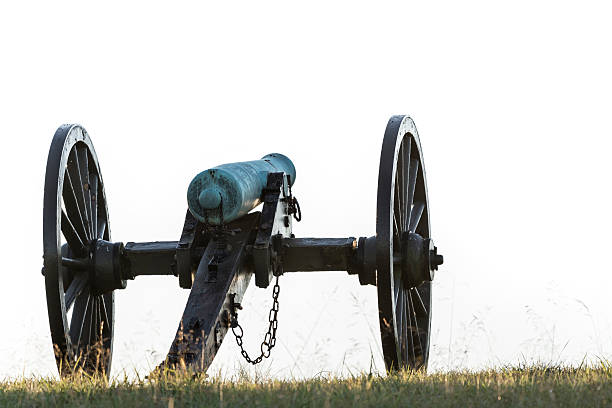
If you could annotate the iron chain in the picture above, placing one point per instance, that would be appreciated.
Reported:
(269, 339)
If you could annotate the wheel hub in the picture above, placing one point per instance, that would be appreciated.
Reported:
(419, 259)
(104, 264)
(108, 266)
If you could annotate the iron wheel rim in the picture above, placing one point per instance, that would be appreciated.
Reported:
(404, 313)
(75, 204)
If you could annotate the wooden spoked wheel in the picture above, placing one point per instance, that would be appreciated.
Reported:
(402, 208)
(74, 217)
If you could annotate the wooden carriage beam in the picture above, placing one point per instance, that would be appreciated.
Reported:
(298, 255)
(318, 254)
(207, 315)
(150, 258)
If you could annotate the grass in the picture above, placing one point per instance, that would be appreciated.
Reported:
(516, 387)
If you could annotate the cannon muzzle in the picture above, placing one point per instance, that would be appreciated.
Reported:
(224, 193)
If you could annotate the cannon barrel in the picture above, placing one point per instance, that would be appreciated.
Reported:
(224, 193)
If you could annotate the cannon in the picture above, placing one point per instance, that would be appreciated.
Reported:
(224, 242)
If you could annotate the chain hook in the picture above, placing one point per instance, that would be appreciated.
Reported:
(294, 206)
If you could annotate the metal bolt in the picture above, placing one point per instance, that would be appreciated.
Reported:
(436, 259)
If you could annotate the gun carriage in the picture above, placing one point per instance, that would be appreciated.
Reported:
(224, 243)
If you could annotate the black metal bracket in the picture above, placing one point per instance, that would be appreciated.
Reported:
(275, 221)
(363, 263)
(187, 255)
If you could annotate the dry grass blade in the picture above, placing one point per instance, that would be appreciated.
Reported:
(526, 386)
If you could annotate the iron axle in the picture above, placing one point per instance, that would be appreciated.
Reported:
(112, 264)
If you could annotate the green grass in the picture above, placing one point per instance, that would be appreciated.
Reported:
(527, 387)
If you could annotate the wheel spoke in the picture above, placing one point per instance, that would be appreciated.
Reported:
(396, 229)
(412, 180)
(101, 206)
(72, 236)
(407, 342)
(79, 282)
(101, 228)
(400, 187)
(93, 331)
(85, 339)
(400, 312)
(397, 205)
(90, 323)
(81, 307)
(415, 215)
(73, 210)
(73, 168)
(93, 179)
(84, 170)
(100, 320)
(420, 305)
(104, 312)
(406, 198)
(409, 335)
(95, 327)
(397, 285)
(417, 331)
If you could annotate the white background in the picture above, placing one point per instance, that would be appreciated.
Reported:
(512, 101)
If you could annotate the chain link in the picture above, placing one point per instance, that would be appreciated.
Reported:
(269, 339)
